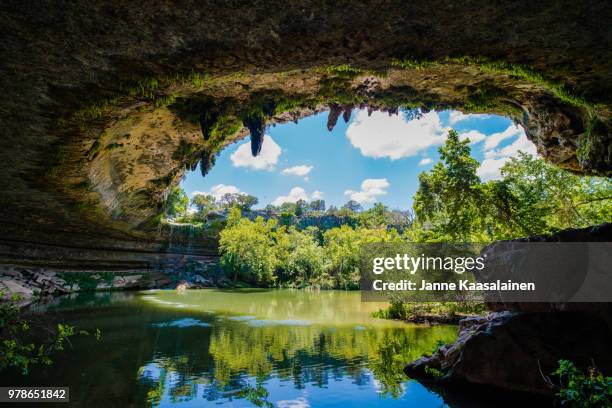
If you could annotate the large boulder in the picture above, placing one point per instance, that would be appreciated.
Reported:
(516, 351)
(520, 343)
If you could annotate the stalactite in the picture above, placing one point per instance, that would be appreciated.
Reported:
(393, 111)
(207, 162)
(346, 115)
(256, 123)
(334, 114)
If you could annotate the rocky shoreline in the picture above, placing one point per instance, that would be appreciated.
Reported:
(31, 284)
(491, 350)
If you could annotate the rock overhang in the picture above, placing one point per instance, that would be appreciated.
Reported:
(104, 121)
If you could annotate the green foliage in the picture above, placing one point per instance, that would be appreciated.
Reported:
(433, 372)
(176, 203)
(449, 195)
(149, 89)
(242, 201)
(257, 396)
(185, 150)
(421, 311)
(538, 198)
(517, 71)
(533, 197)
(302, 259)
(344, 70)
(577, 389)
(485, 97)
(197, 79)
(352, 206)
(164, 100)
(317, 205)
(411, 63)
(204, 203)
(269, 253)
(247, 249)
(525, 73)
(438, 346)
(16, 351)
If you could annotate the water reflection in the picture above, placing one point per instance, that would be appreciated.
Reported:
(243, 354)
(274, 348)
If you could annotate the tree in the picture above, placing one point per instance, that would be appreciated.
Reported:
(352, 206)
(375, 217)
(533, 197)
(243, 201)
(317, 205)
(270, 208)
(287, 207)
(332, 210)
(543, 198)
(449, 195)
(247, 201)
(300, 207)
(204, 203)
(305, 261)
(248, 250)
(176, 203)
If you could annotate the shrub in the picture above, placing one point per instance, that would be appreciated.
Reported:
(582, 390)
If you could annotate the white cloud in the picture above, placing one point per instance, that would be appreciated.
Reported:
(496, 138)
(370, 189)
(317, 195)
(489, 168)
(425, 161)
(456, 116)
(296, 193)
(521, 143)
(301, 171)
(382, 136)
(219, 190)
(266, 160)
(496, 158)
(474, 136)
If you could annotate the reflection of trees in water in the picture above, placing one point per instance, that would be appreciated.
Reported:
(303, 355)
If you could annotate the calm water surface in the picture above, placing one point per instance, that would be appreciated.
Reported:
(282, 348)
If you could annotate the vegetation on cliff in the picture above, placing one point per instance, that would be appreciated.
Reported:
(306, 244)
(581, 389)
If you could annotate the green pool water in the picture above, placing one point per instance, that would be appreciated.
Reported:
(239, 348)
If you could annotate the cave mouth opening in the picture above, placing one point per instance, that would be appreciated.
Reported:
(344, 163)
(339, 158)
(139, 160)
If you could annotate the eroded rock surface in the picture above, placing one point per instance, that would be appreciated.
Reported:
(515, 347)
(105, 105)
(515, 351)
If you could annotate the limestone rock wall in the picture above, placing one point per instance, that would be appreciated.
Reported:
(103, 103)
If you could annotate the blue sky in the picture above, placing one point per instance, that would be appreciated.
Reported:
(370, 159)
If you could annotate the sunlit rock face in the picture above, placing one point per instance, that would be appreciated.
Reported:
(104, 108)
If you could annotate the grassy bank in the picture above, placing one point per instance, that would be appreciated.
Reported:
(431, 312)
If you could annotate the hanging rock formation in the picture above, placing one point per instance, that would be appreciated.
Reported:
(256, 124)
(94, 134)
(64, 107)
(334, 114)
